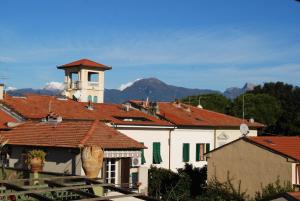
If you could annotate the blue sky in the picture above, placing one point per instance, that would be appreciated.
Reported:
(199, 44)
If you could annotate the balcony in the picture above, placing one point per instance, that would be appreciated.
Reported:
(93, 85)
(73, 85)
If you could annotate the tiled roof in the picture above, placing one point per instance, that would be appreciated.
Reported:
(69, 134)
(185, 115)
(38, 106)
(85, 62)
(4, 118)
(295, 195)
(288, 146)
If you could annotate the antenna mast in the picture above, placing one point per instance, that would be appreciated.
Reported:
(243, 107)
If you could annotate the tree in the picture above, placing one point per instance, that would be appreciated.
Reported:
(185, 185)
(214, 102)
(273, 189)
(289, 98)
(198, 177)
(262, 107)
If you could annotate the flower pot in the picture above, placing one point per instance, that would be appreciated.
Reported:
(92, 159)
(36, 164)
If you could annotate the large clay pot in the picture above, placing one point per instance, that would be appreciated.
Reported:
(92, 159)
(36, 164)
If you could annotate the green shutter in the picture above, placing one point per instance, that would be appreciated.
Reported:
(143, 160)
(186, 152)
(207, 149)
(156, 153)
(197, 152)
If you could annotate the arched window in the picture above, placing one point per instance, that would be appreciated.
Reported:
(90, 98)
(95, 99)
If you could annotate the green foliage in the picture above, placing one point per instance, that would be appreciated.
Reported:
(167, 185)
(273, 189)
(223, 191)
(36, 153)
(198, 177)
(289, 98)
(262, 107)
(185, 185)
(214, 102)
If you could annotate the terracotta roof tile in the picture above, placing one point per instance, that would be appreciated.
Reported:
(69, 134)
(4, 118)
(289, 146)
(295, 195)
(186, 115)
(85, 62)
(38, 106)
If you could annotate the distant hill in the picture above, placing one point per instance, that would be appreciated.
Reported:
(234, 92)
(153, 88)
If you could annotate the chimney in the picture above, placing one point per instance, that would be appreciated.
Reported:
(1, 91)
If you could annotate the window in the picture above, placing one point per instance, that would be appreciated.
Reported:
(110, 170)
(95, 99)
(186, 152)
(134, 179)
(156, 153)
(90, 98)
(93, 77)
(202, 149)
(143, 160)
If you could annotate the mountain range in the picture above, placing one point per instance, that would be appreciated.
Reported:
(152, 88)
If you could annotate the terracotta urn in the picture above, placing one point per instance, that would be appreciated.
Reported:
(92, 159)
(36, 164)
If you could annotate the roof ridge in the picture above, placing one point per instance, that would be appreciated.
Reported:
(89, 133)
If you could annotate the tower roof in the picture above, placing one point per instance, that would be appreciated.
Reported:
(85, 62)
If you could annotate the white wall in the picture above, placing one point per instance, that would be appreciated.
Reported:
(228, 135)
(178, 137)
(148, 136)
(193, 137)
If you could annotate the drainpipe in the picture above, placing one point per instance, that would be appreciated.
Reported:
(169, 141)
(215, 138)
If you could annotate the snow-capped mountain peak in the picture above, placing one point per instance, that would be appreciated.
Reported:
(53, 86)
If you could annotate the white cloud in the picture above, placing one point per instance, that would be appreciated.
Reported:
(54, 86)
(128, 84)
(220, 45)
(10, 88)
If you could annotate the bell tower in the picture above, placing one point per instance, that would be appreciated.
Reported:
(84, 80)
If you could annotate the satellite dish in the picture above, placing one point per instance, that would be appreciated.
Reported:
(244, 129)
(77, 94)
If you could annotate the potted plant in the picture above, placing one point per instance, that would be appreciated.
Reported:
(36, 158)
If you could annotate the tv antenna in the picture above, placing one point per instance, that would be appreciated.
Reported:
(243, 107)
(243, 127)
